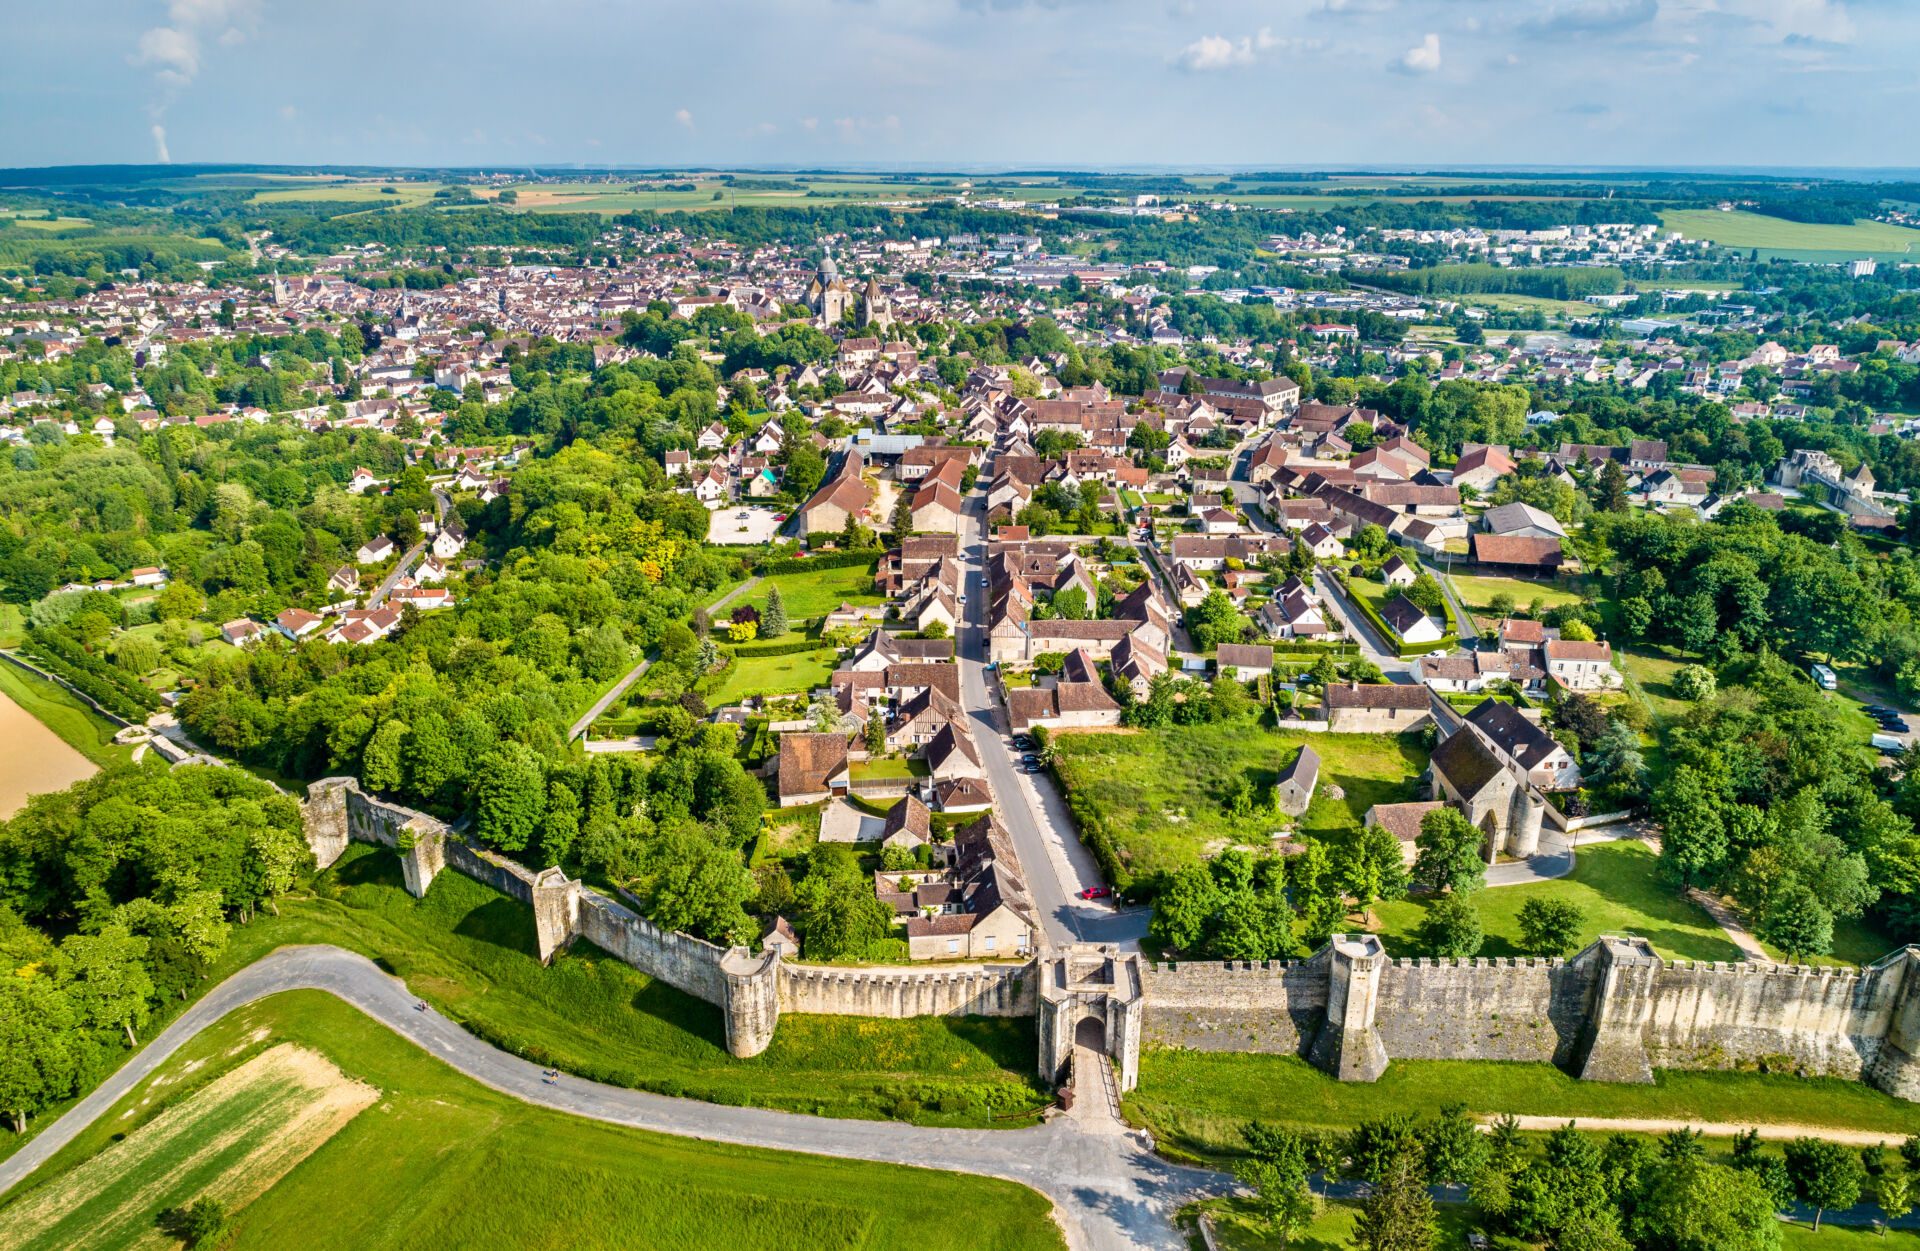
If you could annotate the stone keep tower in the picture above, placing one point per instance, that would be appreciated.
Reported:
(1347, 1046)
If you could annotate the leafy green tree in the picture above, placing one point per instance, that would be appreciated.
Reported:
(1610, 492)
(1694, 683)
(1281, 1198)
(1550, 927)
(1454, 1148)
(1452, 927)
(839, 914)
(1824, 1174)
(1184, 908)
(382, 765)
(1452, 853)
(196, 1224)
(1692, 1205)
(1370, 869)
(1798, 923)
(509, 796)
(38, 1058)
(692, 883)
(603, 656)
(106, 979)
(1894, 1194)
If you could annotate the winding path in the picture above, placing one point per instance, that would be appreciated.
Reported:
(1108, 1189)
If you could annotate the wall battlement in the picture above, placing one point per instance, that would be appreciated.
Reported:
(751, 989)
(1615, 1011)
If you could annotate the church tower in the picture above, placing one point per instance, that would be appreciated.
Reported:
(875, 309)
(828, 295)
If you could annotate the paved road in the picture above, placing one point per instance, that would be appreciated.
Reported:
(400, 571)
(734, 594)
(1361, 630)
(606, 701)
(1109, 1190)
(1056, 864)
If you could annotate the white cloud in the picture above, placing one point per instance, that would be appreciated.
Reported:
(1423, 58)
(810, 123)
(684, 117)
(160, 152)
(1214, 52)
(175, 54)
(1218, 52)
(288, 112)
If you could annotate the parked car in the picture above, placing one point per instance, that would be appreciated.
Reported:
(1097, 892)
(1023, 742)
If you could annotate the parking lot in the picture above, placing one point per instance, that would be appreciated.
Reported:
(745, 526)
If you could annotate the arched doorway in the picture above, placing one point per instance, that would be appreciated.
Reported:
(1091, 1033)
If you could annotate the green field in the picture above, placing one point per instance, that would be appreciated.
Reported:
(440, 1160)
(1755, 230)
(1165, 793)
(83, 729)
(1199, 1102)
(791, 674)
(816, 592)
(470, 952)
(1478, 592)
(1613, 884)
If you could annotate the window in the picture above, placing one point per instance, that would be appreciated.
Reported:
(990, 942)
(953, 946)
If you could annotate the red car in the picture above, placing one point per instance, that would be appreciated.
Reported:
(1096, 892)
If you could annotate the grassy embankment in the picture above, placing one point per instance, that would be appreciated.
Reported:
(470, 952)
(57, 708)
(438, 1159)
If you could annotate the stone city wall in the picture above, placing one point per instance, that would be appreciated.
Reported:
(751, 989)
(1613, 1012)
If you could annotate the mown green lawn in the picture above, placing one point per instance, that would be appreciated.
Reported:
(1477, 592)
(440, 1160)
(1166, 794)
(1200, 1102)
(1614, 886)
(816, 592)
(791, 674)
(79, 726)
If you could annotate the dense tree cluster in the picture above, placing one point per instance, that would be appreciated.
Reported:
(139, 872)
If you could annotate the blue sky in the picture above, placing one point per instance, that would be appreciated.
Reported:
(993, 83)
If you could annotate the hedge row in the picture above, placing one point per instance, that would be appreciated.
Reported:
(1403, 649)
(779, 647)
(111, 687)
(101, 692)
(825, 560)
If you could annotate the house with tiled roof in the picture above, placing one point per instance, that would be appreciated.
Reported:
(812, 767)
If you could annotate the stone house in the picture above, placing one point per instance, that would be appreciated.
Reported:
(1580, 666)
(1377, 708)
(987, 913)
(1297, 781)
(812, 767)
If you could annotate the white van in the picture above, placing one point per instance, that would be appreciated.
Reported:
(1825, 678)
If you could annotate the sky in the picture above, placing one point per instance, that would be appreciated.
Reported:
(977, 84)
